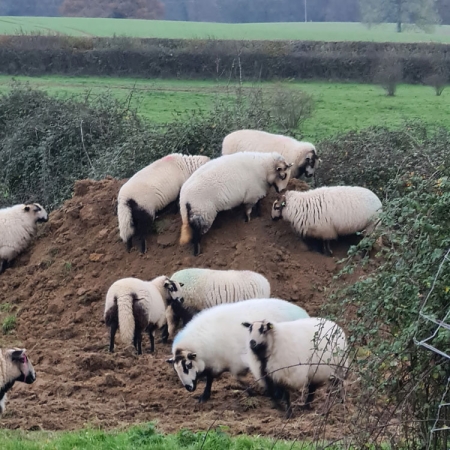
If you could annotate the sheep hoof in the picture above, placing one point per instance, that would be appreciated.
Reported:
(203, 399)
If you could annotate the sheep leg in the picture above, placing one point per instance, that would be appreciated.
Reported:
(310, 396)
(3, 265)
(114, 326)
(207, 392)
(138, 342)
(248, 211)
(129, 244)
(196, 240)
(152, 340)
(287, 399)
(143, 244)
(257, 208)
(326, 248)
(165, 333)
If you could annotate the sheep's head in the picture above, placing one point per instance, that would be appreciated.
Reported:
(259, 334)
(18, 366)
(37, 211)
(281, 174)
(188, 368)
(310, 164)
(277, 208)
(174, 291)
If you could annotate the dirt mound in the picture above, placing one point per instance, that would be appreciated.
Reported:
(58, 289)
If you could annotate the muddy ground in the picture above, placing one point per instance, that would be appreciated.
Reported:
(57, 289)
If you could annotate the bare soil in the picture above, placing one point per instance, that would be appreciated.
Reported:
(57, 290)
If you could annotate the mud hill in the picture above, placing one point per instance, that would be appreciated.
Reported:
(57, 290)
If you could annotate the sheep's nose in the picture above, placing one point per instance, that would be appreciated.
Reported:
(252, 343)
(189, 387)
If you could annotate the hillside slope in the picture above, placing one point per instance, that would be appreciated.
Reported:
(57, 290)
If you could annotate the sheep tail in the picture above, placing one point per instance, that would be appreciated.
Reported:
(186, 229)
(126, 318)
(126, 226)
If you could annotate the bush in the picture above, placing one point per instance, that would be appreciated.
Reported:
(47, 143)
(402, 382)
(389, 74)
(291, 108)
(438, 81)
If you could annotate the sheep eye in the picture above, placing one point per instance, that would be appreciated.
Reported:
(189, 366)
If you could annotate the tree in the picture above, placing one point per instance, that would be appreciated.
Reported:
(419, 12)
(136, 9)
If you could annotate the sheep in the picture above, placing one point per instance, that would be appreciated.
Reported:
(133, 305)
(14, 366)
(328, 212)
(224, 183)
(18, 225)
(292, 355)
(150, 190)
(204, 288)
(303, 155)
(214, 341)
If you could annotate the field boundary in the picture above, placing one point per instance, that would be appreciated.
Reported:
(217, 59)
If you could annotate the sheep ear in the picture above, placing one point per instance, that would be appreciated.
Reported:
(16, 355)
(170, 361)
(192, 356)
(246, 324)
(26, 208)
(290, 165)
(269, 326)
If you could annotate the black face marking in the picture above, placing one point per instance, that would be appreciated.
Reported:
(37, 208)
(186, 366)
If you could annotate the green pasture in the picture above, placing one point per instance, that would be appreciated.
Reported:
(327, 31)
(142, 437)
(339, 107)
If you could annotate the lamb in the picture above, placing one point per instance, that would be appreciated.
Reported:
(204, 288)
(150, 190)
(214, 341)
(297, 354)
(303, 155)
(18, 224)
(328, 212)
(134, 306)
(224, 183)
(14, 366)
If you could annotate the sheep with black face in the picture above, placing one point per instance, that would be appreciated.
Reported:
(14, 366)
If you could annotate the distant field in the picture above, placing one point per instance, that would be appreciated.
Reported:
(340, 107)
(191, 30)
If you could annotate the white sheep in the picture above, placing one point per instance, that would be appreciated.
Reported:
(303, 353)
(17, 227)
(14, 366)
(134, 306)
(150, 190)
(204, 288)
(214, 341)
(224, 183)
(328, 212)
(302, 154)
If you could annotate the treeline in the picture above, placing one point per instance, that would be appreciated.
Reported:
(232, 11)
(216, 59)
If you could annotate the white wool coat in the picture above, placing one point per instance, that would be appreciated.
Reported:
(204, 288)
(229, 181)
(299, 352)
(155, 186)
(328, 212)
(218, 338)
(17, 227)
(294, 151)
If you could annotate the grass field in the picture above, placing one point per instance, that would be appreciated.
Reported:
(340, 107)
(169, 29)
(139, 438)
